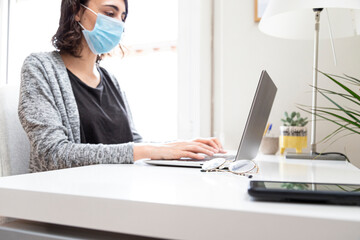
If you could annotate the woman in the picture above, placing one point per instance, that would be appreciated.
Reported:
(73, 110)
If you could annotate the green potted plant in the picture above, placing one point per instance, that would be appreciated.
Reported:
(293, 133)
(345, 115)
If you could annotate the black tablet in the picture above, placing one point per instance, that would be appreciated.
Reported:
(348, 194)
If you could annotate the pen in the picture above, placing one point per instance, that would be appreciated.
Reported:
(268, 132)
(266, 129)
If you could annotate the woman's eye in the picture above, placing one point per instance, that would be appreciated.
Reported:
(110, 14)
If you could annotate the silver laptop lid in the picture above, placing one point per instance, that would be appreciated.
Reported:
(257, 118)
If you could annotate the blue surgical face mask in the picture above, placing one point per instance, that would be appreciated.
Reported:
(106, 34)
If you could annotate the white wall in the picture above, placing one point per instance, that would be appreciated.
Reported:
(242, 51)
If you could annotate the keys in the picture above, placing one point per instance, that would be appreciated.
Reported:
(207, 158)
(226, 156)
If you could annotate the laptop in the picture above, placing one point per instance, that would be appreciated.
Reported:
(253, 131)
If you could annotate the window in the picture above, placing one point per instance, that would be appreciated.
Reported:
(3, 41)
(148, 72)
(32, 24)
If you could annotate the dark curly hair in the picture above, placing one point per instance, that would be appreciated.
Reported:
(69, 34)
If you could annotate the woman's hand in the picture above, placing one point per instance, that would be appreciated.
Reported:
(213, 142)
(176, 150)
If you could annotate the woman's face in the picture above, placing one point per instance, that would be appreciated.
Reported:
(111, 8)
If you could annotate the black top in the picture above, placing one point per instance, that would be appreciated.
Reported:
(103, 116)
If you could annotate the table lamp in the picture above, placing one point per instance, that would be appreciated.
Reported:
(295, 19)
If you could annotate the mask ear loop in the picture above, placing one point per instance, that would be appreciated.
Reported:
(89, 10)
(81, 25)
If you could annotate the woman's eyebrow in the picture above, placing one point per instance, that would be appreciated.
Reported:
(113, 6)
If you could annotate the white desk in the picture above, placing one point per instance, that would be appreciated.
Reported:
(181, 203)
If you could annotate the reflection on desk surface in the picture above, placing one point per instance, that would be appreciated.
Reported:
(283, 169)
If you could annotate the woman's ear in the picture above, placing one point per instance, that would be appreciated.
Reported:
(79, 14)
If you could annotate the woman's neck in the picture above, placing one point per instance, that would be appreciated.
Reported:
(83, 67)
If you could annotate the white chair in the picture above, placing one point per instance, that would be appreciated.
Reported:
(14, 144)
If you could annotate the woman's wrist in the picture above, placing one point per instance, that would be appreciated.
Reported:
(142, 151)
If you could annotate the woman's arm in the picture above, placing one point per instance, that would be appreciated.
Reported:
(52, 143)
(176, 150)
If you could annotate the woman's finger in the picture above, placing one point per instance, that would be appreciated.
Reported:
(198, 149)
(218, 143)
(184, 145)
(208, 142)
(192, 155)
(214, 142)
(210, 148)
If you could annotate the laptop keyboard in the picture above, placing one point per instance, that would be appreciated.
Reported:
(207, 158)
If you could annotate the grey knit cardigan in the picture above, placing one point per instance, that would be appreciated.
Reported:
(49, 115)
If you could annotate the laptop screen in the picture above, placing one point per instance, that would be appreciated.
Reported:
(257, 118)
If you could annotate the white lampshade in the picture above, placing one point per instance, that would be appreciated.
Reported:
(294, 19)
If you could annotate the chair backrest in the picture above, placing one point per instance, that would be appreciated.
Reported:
(14, 144)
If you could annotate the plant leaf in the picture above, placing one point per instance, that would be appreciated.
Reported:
(339, 117)
(355, 79)
(344, 87)
(346, 96)
(346, 112)
(337, 131)
(339, 110)
(346, 78)
(333, 121)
